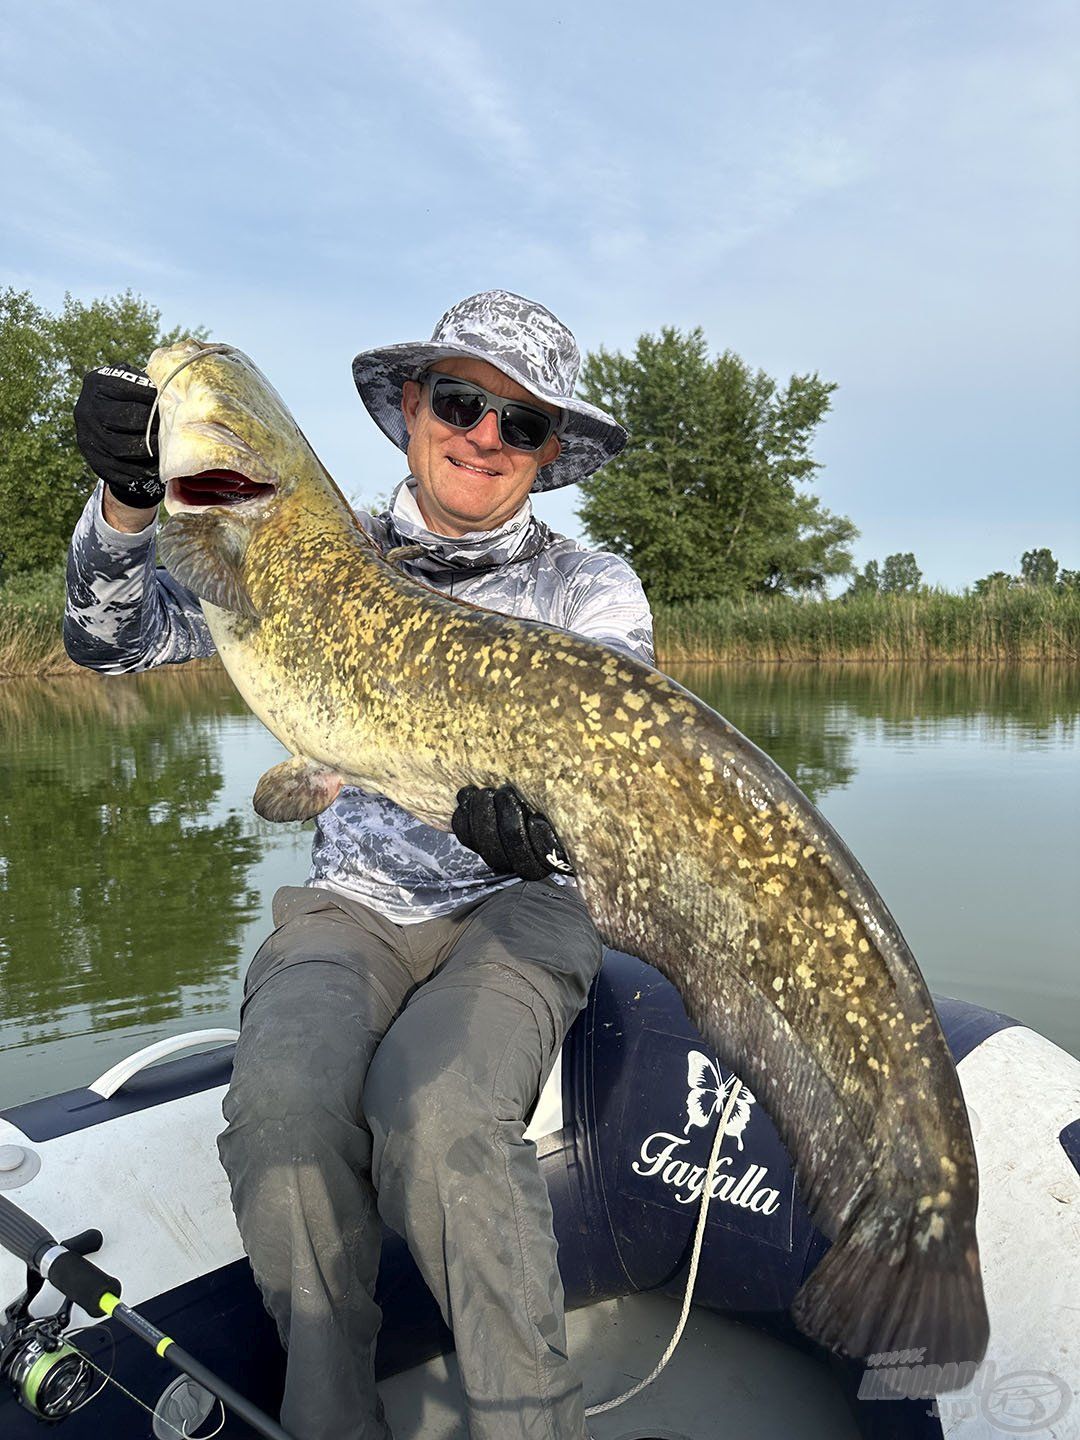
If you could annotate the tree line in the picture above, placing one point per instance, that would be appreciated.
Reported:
(900, 575)
(1038, 571)
(43, 357)
(712, 496)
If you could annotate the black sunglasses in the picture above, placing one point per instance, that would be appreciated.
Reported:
(463, 405)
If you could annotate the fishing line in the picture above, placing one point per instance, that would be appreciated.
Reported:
(65, 1266)
(699, 1239)
(205, 350)
(69, 1335)
(110, 1379)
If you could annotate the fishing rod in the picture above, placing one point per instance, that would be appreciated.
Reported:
(50, 1376)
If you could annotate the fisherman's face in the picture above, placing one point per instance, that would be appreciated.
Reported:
(468, 479)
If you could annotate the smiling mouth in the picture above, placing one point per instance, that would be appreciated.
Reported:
(217, 487)
(473, 469)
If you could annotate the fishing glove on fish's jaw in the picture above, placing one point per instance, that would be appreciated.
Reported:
(507, 835)
(111, 416)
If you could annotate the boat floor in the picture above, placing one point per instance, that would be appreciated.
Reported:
(723, 1378)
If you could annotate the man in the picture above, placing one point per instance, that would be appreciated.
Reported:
(398, 1024)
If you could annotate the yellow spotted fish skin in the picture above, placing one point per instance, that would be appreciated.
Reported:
(691, 847)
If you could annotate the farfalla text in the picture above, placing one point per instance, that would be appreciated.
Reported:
(657, 1157)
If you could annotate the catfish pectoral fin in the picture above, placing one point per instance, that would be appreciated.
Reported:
(205, 552)
(296, 789)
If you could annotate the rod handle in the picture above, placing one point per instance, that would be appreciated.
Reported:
(85, 1243)
(81, 1280)
(22, 1234)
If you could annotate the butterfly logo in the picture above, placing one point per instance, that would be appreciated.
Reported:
(709, 1095)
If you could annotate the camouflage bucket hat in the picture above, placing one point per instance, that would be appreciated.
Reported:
(523, 340)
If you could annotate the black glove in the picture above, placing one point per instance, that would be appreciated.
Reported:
(505, 833)
(111, 415)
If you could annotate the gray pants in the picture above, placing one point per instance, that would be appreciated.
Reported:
(331, 1125)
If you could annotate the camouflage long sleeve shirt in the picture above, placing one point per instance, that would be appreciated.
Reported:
(125, 613)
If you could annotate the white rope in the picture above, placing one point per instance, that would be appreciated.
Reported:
(699, 1239)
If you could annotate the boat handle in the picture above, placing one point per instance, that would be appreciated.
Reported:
(108, 1084)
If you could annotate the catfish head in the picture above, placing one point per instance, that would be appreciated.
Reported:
(224, 440)
(234, 462)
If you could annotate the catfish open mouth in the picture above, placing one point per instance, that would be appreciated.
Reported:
(217, 487)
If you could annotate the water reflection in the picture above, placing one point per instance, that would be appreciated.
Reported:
(795, 727)
(135, 879)
(119, 885)
(794, 699)
(958, 789)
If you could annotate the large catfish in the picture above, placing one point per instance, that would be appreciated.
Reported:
(691, 847)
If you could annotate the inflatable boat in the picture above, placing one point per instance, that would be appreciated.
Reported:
(623, 1129)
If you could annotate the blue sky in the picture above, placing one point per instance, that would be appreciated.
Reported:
(884, 193)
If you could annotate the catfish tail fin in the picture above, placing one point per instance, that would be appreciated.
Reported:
(928, 1299)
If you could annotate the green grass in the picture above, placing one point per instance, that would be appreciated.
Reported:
(1013, 625)
(31, 611)
(934, 625)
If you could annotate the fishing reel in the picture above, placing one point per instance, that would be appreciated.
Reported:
(49, 1376)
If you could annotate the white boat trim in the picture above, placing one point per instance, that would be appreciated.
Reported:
(113, 1079)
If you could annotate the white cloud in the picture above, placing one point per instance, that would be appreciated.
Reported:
(886, 194)
(456, 73)
(57, 235)
(36, 147)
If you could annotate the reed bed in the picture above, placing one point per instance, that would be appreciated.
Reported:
(935, 625)
(31, 609)
(30, 642)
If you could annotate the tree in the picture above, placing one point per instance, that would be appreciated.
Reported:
(897, 575)
(704, 500)
(43, 357)
(1038, 568)
(867, 581)
(996, 580)
(900, 575)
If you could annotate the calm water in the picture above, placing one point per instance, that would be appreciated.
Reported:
(135, 880)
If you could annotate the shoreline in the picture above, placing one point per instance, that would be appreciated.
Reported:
(934, 627)
(57, 666)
